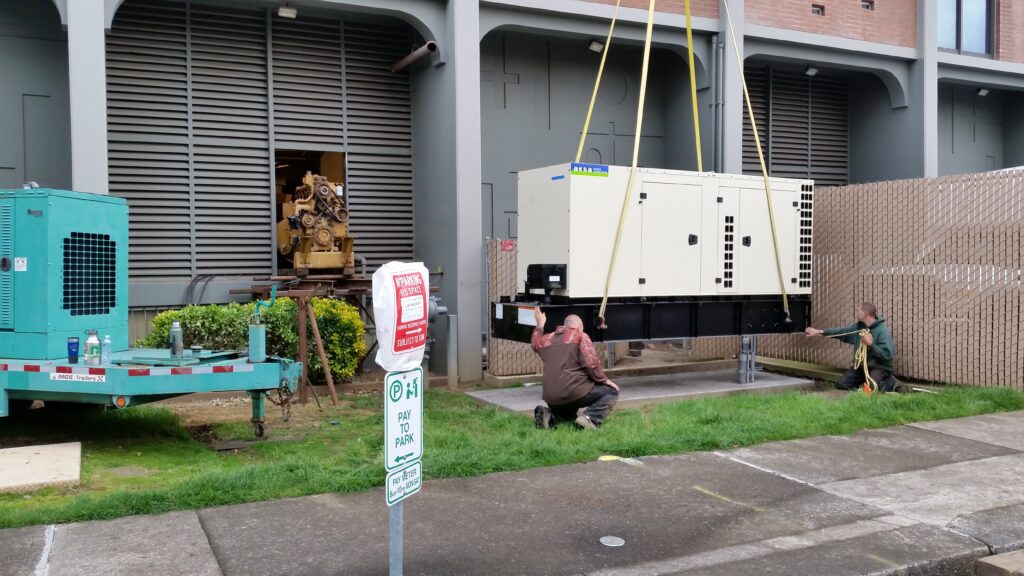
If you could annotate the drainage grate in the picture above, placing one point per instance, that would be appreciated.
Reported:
(90, 274)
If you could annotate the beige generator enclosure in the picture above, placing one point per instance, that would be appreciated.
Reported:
(685, 234)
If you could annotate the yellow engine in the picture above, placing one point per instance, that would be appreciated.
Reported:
(314, 228)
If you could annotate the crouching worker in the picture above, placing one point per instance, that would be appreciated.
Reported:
(880, 349)
(575, 387)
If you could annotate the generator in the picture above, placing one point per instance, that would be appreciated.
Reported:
(696, 255)
(63, 273)
(313, 230)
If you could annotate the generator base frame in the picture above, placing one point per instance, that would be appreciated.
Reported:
(664, 319)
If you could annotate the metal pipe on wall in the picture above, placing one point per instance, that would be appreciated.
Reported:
(415, 56)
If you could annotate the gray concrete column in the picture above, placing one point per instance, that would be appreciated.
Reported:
(88, 88)
(734, 108)
(464, 22)
(926, 80)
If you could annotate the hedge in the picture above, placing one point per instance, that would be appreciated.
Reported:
(225, 327)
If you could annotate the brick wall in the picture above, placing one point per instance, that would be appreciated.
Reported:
(891, 22)
(1010, 34)
(706, 8)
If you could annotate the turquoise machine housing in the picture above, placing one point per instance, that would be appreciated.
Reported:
(63, 270)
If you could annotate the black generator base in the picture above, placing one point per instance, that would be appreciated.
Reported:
(657, 320)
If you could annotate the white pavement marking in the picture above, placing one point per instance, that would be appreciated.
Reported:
(727, 456)
(739, 552)
(43, 566)
(938, 495)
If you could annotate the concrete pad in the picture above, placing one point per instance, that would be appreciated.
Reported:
(20, 549)
(32, 467)
(1010, 564)
(1002, 429)
(913, 550)
(653, 389)
(863, 454)
(541, 521)
(1002, 529)
(316, 535)
(938, 495)
(170, 544)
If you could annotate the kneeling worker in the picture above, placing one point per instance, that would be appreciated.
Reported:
(879, 345)
(575, 387)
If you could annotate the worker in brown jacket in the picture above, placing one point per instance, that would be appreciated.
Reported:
(575, 387)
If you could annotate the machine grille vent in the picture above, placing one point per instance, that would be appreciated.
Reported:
(806, 205)
(6, 281)
(728, 251)
(90, 274)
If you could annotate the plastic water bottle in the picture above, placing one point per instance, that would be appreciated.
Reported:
(105, 350)
(177, 340)
(92, 348)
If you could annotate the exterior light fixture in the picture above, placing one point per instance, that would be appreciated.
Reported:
(982, 92)
(811, 71)
(596, 46)
(287, 11)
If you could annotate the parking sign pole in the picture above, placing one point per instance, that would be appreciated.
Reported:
(395, 522)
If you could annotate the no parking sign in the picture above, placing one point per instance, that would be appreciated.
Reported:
(400, 292)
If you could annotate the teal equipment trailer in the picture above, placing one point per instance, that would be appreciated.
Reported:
(63, 271)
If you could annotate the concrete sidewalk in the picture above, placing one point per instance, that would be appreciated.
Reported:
(921, 499)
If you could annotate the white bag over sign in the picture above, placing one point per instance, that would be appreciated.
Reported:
(400, 292)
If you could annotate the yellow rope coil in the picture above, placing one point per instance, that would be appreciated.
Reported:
(860, 359)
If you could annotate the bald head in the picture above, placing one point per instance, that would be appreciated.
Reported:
(573, 321)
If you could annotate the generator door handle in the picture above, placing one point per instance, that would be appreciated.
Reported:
(5, 264)
(693, 239)
(746, 240)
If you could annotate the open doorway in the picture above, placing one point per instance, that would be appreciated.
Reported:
(290, 167)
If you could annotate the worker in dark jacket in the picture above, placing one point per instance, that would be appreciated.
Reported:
(880, 349)
(575, 387)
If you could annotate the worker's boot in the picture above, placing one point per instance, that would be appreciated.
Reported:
(542, 417)
(584, 421)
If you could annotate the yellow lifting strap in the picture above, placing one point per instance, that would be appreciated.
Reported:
(860, 360)
(597, 82)
(760, 156)
(632, 171)
(693, 87)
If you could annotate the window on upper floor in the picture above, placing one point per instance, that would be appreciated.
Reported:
(965, 26)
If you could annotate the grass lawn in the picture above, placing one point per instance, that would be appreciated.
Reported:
(144, 460)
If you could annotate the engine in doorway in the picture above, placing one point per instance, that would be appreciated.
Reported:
(314, 229)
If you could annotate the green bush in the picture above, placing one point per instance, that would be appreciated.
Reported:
(225, 327)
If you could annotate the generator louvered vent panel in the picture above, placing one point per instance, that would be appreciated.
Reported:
(230, 131)
(728, 251)
(803, 124)
(308, 105)
(806, 229)
(757, 87)
(147, 130)
(90, 274)
(6, 277)
(379, 120)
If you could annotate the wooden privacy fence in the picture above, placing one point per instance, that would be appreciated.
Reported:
(940, 257)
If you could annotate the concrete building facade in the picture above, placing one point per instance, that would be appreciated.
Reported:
(191, 109)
